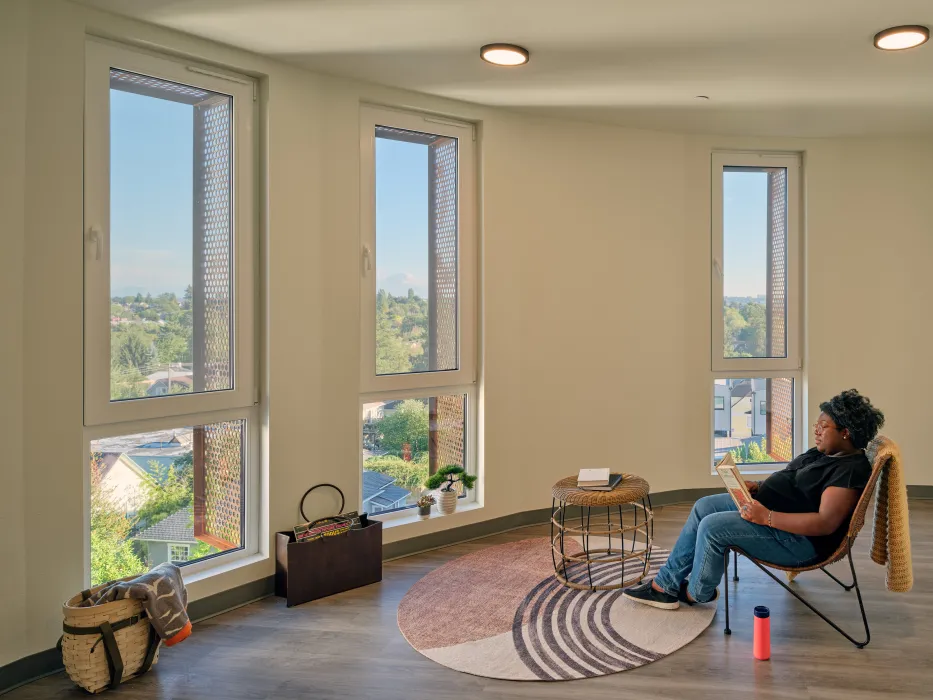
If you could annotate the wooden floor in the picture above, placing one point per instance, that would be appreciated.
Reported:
(349, 646)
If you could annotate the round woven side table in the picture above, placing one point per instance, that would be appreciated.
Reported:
(623, 505)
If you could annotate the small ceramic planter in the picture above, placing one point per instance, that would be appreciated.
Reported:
(424, 512)
(447, 501)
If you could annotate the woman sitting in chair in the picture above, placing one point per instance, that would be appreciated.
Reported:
(799, 516)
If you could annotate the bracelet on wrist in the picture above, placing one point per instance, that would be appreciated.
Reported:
(770, 513)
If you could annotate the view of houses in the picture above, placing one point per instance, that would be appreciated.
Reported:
(740, 410)
(151, 345)
(380, 493)
(146, 479)
(395, 453)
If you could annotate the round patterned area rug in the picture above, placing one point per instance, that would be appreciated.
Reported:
(500, 613)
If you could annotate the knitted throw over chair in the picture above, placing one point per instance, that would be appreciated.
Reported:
(890, 537)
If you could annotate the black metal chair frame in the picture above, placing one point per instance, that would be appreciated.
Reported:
(736, 551)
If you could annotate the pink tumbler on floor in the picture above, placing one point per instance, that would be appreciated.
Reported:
(762, 638)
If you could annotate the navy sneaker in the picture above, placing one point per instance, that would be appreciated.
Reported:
(682, 596)
(646, 595)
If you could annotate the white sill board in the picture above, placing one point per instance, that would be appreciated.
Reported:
(410, 516)
(219, 566)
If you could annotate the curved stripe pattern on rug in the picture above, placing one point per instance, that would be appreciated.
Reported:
(509, 617)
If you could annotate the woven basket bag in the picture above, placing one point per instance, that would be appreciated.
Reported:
(106, 644)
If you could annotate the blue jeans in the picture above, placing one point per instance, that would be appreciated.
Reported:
(715, 524)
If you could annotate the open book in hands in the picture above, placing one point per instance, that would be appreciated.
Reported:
(734, 482)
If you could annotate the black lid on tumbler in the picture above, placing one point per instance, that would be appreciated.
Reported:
(762, 611)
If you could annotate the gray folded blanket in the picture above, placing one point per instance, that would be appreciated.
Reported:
(164, 597)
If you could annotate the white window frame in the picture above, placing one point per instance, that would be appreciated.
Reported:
(800, 429)
(471, 444)
(370, 382)
(752, 365)
(252, 481)
(790, 366)
(98, 408)
(103, 418)
(422, 385)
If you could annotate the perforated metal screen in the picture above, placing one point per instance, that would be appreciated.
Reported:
(447, 416)
(219, 483)
(155, 87)
(777, 264)
(212, 305)
(780, 425)
(442, 256)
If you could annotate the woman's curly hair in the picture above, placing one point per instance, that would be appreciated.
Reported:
(854, 412)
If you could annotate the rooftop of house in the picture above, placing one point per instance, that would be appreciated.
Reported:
(741, 390)
(373, 483)
(166, 442)
(178, 527)
(185, 379)
(381, 490)
(390, 496)
(176, 374)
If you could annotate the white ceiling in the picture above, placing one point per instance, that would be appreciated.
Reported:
(770, 67)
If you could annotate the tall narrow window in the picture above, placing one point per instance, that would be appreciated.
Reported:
(755, 305)
(418, 289)
(416, 252)
(169, 329)
(171, 238)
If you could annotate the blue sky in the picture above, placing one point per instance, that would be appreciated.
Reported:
(401, 217)
(151, 207)
(745, 223)
(151, 156)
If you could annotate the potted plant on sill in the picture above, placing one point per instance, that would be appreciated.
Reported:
(424, 505)
(450, 481)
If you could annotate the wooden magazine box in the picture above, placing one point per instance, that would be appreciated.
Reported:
(306, 571)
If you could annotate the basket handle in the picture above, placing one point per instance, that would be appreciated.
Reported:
(301, 503)
(114, 657)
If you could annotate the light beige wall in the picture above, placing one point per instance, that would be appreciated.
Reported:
(52, 399)
(870, 250)
(596, 298)
(13, 50)
(581, 220)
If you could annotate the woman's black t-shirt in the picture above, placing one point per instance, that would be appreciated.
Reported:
(799, 487)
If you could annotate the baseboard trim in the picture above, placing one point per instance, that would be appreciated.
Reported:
(219, 603)
(45, 663)
(475, 531)
(29, 668)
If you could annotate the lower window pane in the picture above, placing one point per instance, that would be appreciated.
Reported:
(753, 419)
(170, 495)
(404, 442)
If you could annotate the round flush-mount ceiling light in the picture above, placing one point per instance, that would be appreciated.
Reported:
(899, 38)
(504, 54)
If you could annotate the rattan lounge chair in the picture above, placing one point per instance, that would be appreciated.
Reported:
(844, 551)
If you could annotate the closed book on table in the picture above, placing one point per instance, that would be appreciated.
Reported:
(614, 480)
(306, 571)
(593, 477)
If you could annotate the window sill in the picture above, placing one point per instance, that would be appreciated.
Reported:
(408, 517)
(203, 570)
(761, 472)
(757, 471)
